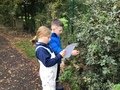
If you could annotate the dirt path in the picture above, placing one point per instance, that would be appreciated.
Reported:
(16, 72)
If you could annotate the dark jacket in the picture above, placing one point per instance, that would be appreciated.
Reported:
(45, 57)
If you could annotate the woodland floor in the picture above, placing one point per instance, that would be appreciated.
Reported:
(16, 71)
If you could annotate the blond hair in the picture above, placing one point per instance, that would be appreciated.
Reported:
(41, 32)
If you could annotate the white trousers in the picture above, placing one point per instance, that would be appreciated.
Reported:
(48, 74)
(48, 77)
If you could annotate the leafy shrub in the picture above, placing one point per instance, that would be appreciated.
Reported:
(116, 87)
(98, 34)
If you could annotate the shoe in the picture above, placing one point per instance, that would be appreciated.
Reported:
(59, 86)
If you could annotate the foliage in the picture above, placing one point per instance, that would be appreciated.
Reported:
(97, 30)
(70, 77)
(116, 87)
(94, 24)
(7, 12)
(27, 48)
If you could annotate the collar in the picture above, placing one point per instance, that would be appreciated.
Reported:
(41, 43)
(54, 35)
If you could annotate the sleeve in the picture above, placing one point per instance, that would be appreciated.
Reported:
(55, 46)
(45, 57)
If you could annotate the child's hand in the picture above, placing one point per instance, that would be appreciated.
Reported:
(75, 52)
(62, 53)
(62, 66)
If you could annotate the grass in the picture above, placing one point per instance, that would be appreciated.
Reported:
(26, 47)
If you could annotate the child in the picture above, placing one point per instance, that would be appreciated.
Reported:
(47, 59)
(55, 43)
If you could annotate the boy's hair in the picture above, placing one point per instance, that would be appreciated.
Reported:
(42, 31)
(57, 22)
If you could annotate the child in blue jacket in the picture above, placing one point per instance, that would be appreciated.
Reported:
(47, 59)
(55, 42)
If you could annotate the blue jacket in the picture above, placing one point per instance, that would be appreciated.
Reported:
(45, 57)
(55, 43)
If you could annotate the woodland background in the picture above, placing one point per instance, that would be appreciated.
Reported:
(94, 24)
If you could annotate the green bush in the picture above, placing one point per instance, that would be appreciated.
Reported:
(116, 87)
(70, 77)
(98, 34)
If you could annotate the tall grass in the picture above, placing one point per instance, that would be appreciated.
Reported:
(27, 48)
